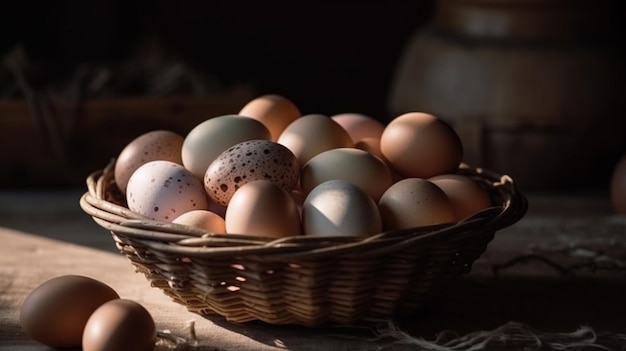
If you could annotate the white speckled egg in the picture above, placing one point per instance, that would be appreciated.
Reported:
(249, 161)
(151, 146)
(163, 190)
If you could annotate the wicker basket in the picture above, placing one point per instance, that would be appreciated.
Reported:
(301, 280)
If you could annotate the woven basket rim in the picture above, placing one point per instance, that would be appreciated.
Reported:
(186, 241)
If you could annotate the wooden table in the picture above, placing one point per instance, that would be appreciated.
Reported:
(557, 276)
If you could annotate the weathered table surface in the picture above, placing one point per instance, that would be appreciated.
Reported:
(557, 278)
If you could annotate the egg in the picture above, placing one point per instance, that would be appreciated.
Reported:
(617, 186)
(55, 312)
(248, 161)
(420, 145)
(466, 195)
(339, 208)
(312, 134)
(210, 138)
(120, 324)
(356, 166)
(372, 145)
(263, 208)
(154, 145)
(359, 126)
(275, 111)
(163, 190)
(414, 202)
(202, 219)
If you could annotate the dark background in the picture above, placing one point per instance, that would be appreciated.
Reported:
(327, 58)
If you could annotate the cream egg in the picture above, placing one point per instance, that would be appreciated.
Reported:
(356, 166)
(312, 134)
(210, 138)
(340, 208)
(163, 190)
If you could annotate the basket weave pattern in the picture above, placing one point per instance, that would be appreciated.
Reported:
(301, 280)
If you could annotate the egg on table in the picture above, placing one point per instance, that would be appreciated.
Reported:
(55, 312)
(120, 324)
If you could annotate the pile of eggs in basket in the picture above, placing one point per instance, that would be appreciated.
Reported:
(269, 170)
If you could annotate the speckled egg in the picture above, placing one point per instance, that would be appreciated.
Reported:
(163, 190)
(151, 146)
(248, 161)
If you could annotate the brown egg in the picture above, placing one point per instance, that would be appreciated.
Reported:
(120, 324)
(420, 145)
(312, 134)
(617, 187)
(275, 111)
(155, 145)
(372, 145)
(202, 219)
(55, 313)
(467, 196)
(414, 202)
(263, 208)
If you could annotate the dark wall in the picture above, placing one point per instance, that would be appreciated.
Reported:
(327, 58)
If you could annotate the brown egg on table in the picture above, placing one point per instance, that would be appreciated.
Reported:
(55, 313)
(312, 134)
(163, 190)
(120, 324)
(154, 145)
(617, 186)
(202, 219)
(414, 202)
(275, 111)
(263, 208)
(356, 166)
(210, 138)
(340, 208)
(420, 145)
(248, 161)
(359, 126)
(467, 196)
